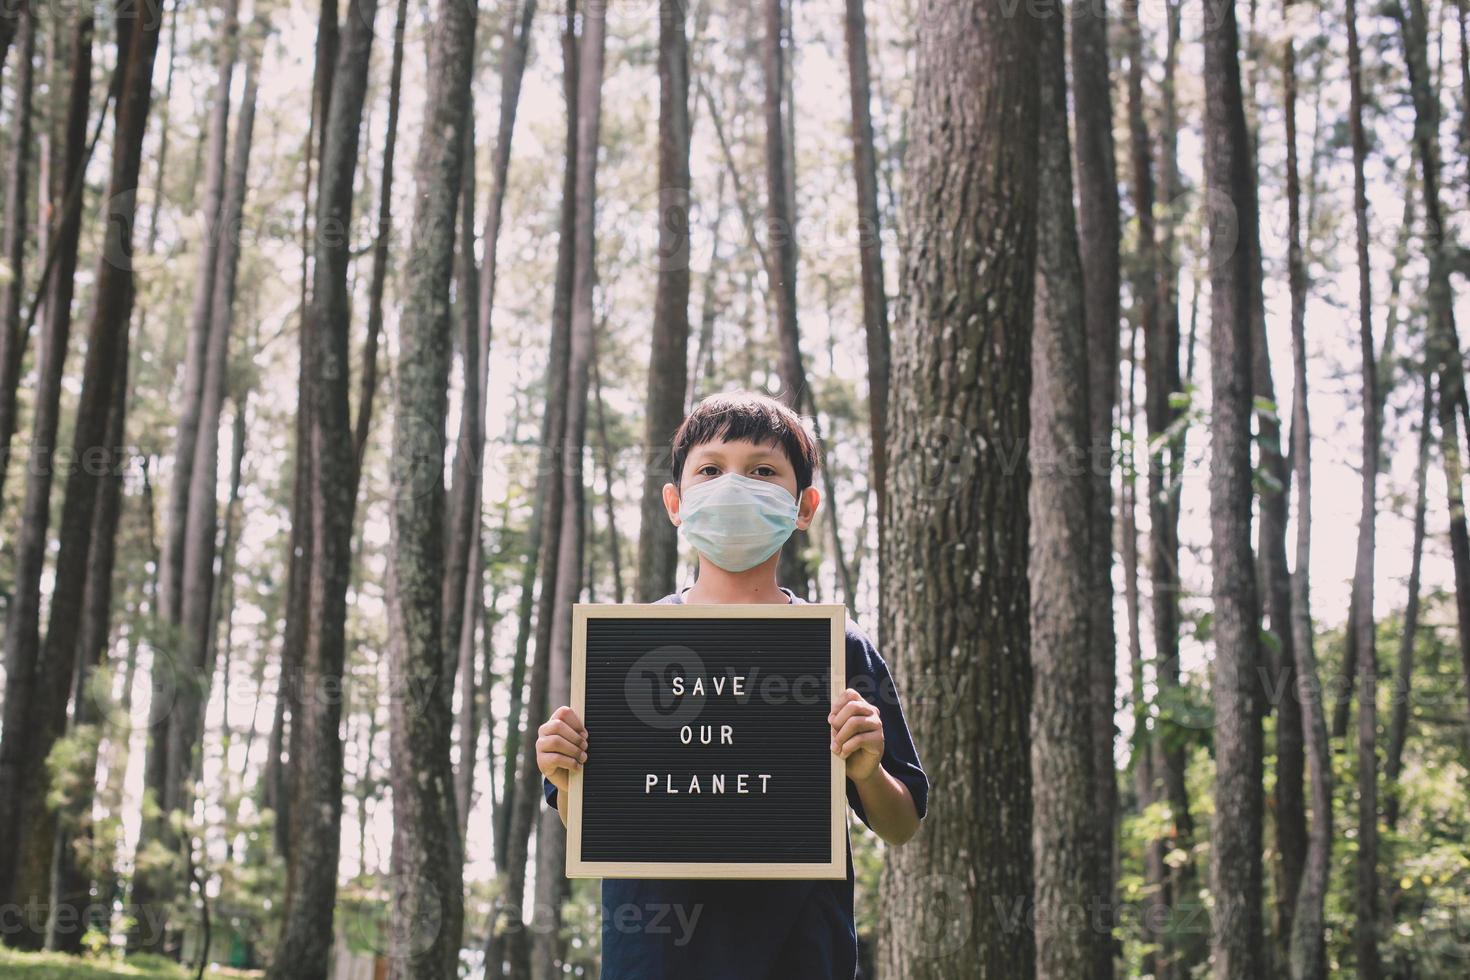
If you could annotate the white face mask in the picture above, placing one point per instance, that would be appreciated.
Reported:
(735, 521)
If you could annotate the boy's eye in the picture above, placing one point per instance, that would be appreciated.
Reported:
(709, 469)
(764, 470)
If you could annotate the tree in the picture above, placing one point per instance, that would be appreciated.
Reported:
(24, 860)
(1306, 941)
(17, 197)
(1098, 226)
(527, 800)
(1366, 891)
(959, 414)
(1235, 857)
(870, 247)
(107, 346)
(669, 351)
(551, 841)
(780, 253)
(1445, 343)
(316, 742)
(428, 854)
(1062, 656)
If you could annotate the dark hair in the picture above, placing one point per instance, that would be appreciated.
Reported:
(747, 416)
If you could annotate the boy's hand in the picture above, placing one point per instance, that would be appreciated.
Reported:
(857, 734)
(561, 745)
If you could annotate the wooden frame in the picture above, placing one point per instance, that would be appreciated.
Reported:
(834, 868)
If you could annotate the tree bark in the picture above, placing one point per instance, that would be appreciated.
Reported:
(428, 852)
(74, 910)
(1365, 926)
(17, 195)
(316, 744)
(1305, 940)
(1414, 27)
(658, 548)
(528, 801)
(1235, 857)
(551, 841)
(25, 863)
(957, 515)
(107, 346)
(780, 253)
(1064, 786)
(870, 249)
(1098, 224)
(368, 385)
(201, 319)
(1404, 677)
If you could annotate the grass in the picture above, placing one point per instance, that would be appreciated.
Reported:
(58, 966)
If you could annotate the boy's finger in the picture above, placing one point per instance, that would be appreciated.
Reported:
(845, 698)
(556, 745)
(857, 726)
(838, 717)
(873, 740)
(558, 727)
(567, 714)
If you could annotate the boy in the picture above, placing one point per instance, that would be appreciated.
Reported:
(742, 468)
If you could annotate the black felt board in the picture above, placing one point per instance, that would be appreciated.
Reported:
(777, 727)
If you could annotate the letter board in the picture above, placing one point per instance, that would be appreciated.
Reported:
(713, 753)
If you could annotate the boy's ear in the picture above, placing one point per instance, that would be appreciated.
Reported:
(671, 503)
(808, 502)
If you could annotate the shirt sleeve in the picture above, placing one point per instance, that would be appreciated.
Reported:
(549, 788)
(868, 674)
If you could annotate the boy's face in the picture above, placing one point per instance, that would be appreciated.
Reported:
(759, 461)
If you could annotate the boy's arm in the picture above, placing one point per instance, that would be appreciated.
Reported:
(889, 806)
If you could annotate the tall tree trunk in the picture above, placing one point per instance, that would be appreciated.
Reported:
(1098, 225)
(107, 346)
(870, 249)
(1365, 929)
(1062, 758)
(780, 252)
(658, 549)
(24, 869)
(1414, 26)
(1292, 837)
(428, 852)
(463, 511)
(1157, 304)
(316, 743)
(1308, 950)
(1235, 856)
(512, 71)
(13, 12)
(1305, 941)
(17, 195)
(74, 909)
(528, 801)
(298, 584)
(368, 386)
(961, 384)
(551, 841)
(197, 613)
(176, 519)
(1403, 679)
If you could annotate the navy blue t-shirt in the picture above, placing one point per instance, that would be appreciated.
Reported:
(761, 929)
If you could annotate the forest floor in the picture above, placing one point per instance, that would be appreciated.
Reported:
(58, 966)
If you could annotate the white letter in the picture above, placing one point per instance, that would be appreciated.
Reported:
(740, 784)
(685, 734)
(678, 685)
(764, 777)
(649, 782)
(727, 735)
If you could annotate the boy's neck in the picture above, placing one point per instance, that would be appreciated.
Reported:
(716, 585)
